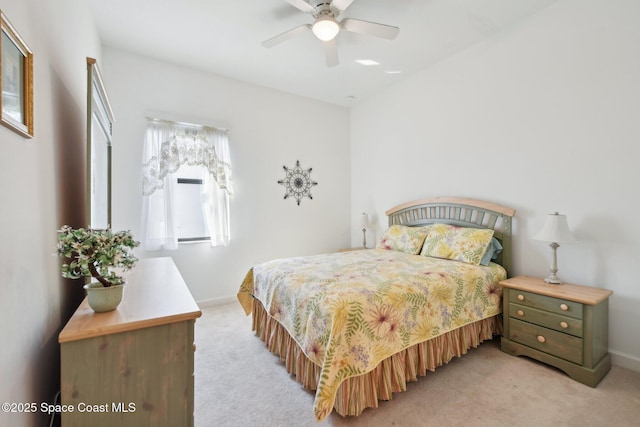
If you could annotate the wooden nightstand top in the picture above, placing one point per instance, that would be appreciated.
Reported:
(568, 291)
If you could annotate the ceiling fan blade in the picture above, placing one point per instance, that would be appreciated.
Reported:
(286, 35)
(330, 52)
(372, 28)
(341, 5)
(302, 5)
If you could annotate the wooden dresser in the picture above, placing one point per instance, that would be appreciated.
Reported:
(564, 325)
(132, 366)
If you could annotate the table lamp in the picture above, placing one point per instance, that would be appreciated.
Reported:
(364, 222)
(555, 230)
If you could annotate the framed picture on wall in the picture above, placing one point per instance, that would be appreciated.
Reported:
(16, 80)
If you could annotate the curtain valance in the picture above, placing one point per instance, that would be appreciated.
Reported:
(169, 145)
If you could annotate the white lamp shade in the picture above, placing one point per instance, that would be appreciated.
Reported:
(325, 28)
(555, 229)
(364, 220)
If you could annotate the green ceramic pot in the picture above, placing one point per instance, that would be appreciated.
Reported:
(103, 299)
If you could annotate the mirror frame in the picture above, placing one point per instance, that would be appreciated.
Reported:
(98, 107)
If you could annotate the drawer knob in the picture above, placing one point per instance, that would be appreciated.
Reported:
(564, 325)
(541, 338)
(564, 307)
(194, 347)
(520, 313)
(520, 297)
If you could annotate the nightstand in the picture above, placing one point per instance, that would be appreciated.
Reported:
(564, 325)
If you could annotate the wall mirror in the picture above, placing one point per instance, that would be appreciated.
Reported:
(99, 125)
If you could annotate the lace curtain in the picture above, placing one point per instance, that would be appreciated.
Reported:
(167, 146)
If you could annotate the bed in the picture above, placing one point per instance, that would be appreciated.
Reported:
(356, 326)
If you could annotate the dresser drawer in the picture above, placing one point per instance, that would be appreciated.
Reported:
(542, 302)
(547, 340)
(550, 320)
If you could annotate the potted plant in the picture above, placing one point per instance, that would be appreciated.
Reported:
(94, 253)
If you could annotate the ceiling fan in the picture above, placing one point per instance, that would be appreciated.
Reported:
(326, 26)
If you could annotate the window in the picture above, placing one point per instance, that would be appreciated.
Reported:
(186, 185)
(191, 221)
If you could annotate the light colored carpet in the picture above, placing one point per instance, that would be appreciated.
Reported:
(238, 382)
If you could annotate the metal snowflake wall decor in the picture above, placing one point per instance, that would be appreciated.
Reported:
(298, 182)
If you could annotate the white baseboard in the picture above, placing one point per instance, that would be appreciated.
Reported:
(217, 301)
(625, 360)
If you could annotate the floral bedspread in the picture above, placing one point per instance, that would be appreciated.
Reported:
(349, 311)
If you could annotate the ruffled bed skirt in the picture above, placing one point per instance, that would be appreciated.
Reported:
(391, 375)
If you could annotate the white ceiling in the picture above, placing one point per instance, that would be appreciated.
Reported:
(224, 37)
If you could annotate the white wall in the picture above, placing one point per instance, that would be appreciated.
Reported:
(42, 187)
(268, 129)
(541, 117)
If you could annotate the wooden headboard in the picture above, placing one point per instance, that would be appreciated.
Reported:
(459, 211)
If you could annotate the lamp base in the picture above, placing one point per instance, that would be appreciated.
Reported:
(553, 279)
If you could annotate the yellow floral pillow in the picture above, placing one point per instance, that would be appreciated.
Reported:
(404, 239)
(457, 243)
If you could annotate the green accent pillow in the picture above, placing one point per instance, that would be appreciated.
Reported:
(404, 239)
(457, 243)
(494, 249)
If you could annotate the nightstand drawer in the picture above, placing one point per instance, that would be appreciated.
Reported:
(550, 320)
(547, 340)
(542, 302)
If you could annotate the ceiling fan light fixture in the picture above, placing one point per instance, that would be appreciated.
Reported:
(326, 28)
